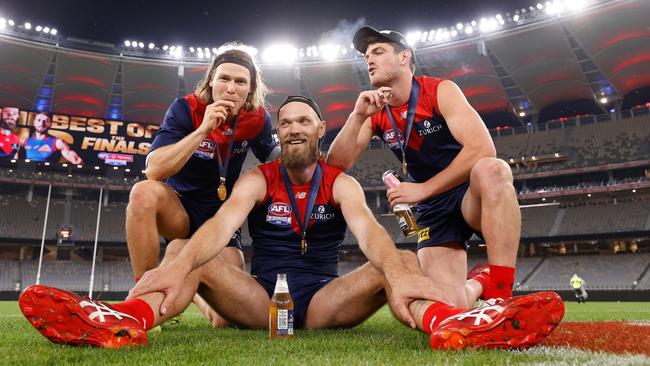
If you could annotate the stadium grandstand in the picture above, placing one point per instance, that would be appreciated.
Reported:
(566, 99)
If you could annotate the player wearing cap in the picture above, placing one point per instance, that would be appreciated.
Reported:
(446, 152)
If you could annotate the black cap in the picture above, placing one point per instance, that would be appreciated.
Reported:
(301, 99)
(365, 34)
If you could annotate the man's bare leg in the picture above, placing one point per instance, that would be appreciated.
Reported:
(154, 209)
(350, 299)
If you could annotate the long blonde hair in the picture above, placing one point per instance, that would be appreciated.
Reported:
(258, 91)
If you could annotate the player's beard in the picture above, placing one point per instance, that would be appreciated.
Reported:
(300, 159)
(4, 125)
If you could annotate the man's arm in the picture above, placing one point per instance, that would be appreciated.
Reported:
(68, 153)
(208, 241)
(168, 160)
(468, 129)
(355, 135)
(380, 250)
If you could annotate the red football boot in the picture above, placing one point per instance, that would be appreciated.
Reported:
(64, 317)
(520, 322)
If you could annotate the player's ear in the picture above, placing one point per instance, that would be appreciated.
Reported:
(321, 129)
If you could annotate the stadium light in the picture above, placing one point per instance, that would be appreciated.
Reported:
(576, 4)
(469, 30)
(634, 191)
(38, 28)
(192, 49)
(459, 26)
(151, 45)
(53, 31)
(127, 43)
(454, 33)
(165, 47)
(141, 45)
(27, 160)
(79, 166)
(540, 6)
(65, 165)
(13, 160)
(515, 18)
(11, 22)
(127, 170)
(522, 114)
(280, 53)
(603, 100)
(413, 37)
(28, 25)
(96, 167)
(46, 30)
(329, 51)
(178, 52)
(47, 163)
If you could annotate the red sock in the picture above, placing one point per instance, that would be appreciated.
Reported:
(436, 313)
(500, 283)
(483, 278)
(139, 309)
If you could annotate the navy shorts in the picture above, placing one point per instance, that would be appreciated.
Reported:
(200, 212)
(301, 287)
(441, 220)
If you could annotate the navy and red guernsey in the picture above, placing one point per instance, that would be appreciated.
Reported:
(431, 146)
(276, 234)
(199, 177)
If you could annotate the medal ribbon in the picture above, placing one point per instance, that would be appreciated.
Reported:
(413, 101)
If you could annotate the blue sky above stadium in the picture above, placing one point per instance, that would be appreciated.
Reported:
(253, 22)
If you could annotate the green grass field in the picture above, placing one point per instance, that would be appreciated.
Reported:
(380, 340)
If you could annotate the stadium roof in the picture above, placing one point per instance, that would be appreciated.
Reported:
(602, 51)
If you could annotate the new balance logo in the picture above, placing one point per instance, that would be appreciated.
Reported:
(102, 310)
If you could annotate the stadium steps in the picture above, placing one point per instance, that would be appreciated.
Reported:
(532, 272)
(642, 275)
(558, 222)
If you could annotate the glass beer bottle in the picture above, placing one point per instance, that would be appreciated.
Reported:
(402, 211)
(281, 310)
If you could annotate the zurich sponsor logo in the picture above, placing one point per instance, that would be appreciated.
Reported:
(279, 213)
(392, 138)
(244, 143)
(322, 214)
(429, 129)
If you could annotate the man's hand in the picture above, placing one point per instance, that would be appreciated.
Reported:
(407, 192)
(215, 114)
(167, 279)
(407, 287)
(371, 101)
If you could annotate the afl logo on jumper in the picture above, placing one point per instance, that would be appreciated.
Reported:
(392, 139)
(205, 150)
(279, 213)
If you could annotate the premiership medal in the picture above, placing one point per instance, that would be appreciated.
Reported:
(311, 200)
(221, 191)
(413, 101)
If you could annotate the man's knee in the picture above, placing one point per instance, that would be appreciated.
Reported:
(493, 177)
(145, 196)
(174, 248)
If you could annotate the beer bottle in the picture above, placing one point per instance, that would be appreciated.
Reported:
(402, 211)
(281, 310)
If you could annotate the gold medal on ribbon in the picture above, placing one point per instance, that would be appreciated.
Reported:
(404, 166)
(303, 246)
(221, 191)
